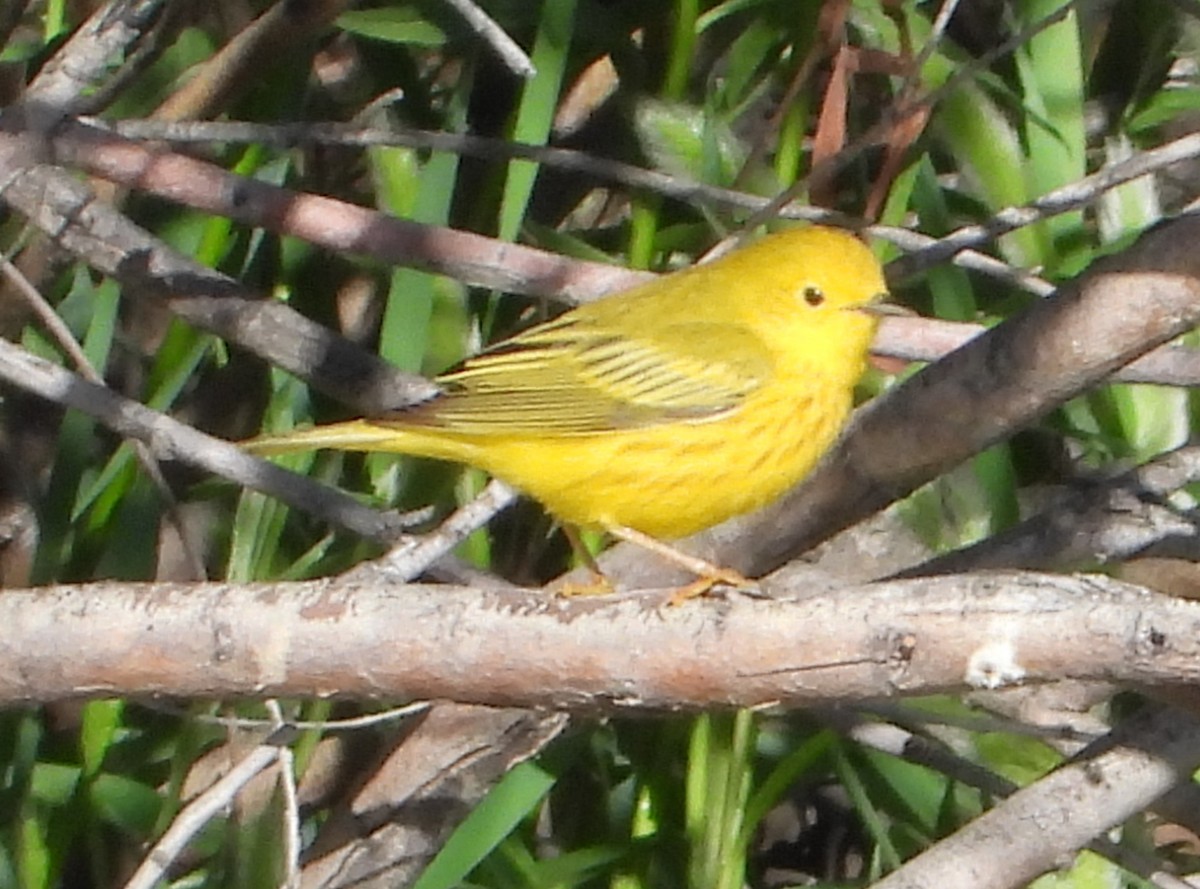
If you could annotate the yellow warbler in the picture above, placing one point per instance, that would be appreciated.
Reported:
(664, 409)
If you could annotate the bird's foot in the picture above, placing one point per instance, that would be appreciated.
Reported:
(705, 583)
(596, 585)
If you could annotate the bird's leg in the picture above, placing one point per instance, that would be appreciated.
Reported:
(599, 585)
(707, 574)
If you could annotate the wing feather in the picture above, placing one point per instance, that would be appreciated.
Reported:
(572, 376)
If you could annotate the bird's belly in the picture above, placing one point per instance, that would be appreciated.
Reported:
(670, 481)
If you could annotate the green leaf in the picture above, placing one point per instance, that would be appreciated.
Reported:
(391, 24)
(126, 803)
(678, 139)
(101, 720)
(516, 795)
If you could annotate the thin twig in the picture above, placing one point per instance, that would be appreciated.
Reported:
(196, 814)
(415, 555)
(58, 204)
(1069, 197)
(936, 32)
(286, 765)
(1035, 829)
(61, 334)
(325, 726)
(171, 439)
(903, 744)
(1101, 522)
(495, 37)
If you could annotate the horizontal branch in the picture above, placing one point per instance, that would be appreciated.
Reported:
(629, 652)
(911, 338)
(335, 225)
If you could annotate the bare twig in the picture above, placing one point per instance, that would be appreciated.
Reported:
(898, 742)
(64, 208)
(1069, 197)
(171, 439)
(325, 726)
(61, 334)
(391, 827)
(203, 809)
(415, 555)
(495, 37)
(286, 766)
(330, 223)
(1098, 522)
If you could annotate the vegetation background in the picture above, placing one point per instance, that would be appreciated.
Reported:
(917, 116)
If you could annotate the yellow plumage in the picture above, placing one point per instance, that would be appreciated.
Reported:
(666, 408)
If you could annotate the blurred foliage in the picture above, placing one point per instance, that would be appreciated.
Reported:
(739, 94)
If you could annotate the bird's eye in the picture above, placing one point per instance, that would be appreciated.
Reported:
(813, 296)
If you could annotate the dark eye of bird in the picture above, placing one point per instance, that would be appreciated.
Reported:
(813, 296)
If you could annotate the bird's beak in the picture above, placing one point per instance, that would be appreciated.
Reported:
(877, 306)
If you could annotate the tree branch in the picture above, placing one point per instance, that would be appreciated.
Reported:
(1042, 826)
(524, 648)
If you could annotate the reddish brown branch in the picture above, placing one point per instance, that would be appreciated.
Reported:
(333, 224)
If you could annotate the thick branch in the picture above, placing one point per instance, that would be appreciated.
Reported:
(1119, 309)
(613, 653)
(1043, 825)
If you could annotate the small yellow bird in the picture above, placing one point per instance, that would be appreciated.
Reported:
(664, 409)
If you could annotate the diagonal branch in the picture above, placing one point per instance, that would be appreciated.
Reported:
(333, 224)
(171, 439)
(1117, 310)
(60, 205)
(1101, 522)
(1043, 825)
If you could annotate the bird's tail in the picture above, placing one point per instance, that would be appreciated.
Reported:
(353, 435)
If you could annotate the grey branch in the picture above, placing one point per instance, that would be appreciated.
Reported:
(1042, 826)
(595, 654)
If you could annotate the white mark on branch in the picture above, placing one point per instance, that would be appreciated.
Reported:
(994, 665)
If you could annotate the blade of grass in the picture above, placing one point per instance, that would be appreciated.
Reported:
(516, 795)
(535, 112)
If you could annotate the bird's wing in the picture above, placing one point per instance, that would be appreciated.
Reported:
(572, 376)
